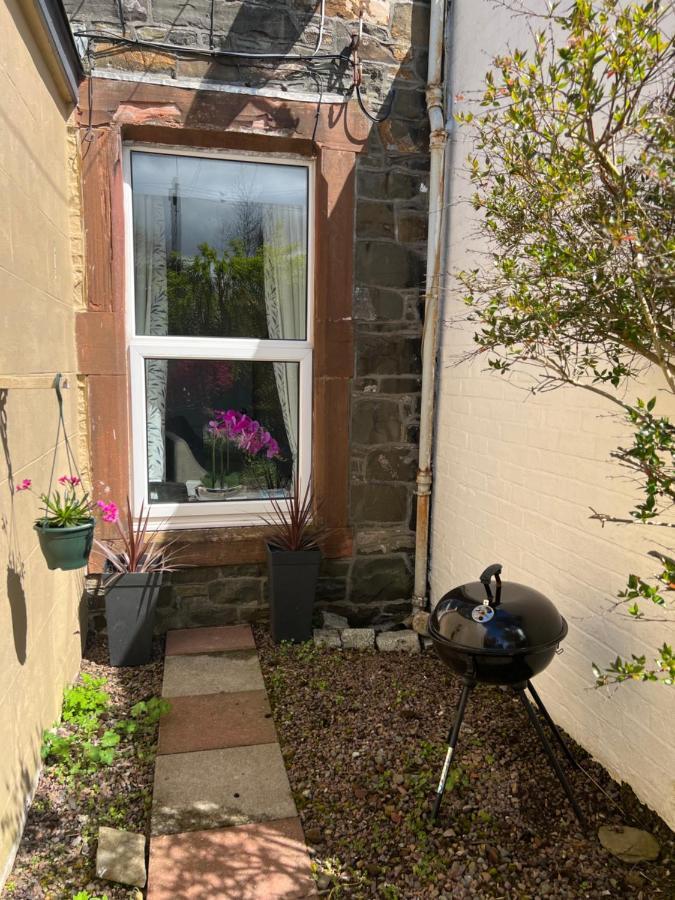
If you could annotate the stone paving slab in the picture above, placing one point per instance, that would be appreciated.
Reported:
(215, 788)
(209, 640)
(213, 721)
(212, 673)
(266, 861)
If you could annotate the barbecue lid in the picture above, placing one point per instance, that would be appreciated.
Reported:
(501, 619)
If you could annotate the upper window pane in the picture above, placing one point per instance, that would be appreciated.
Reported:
(220, 247)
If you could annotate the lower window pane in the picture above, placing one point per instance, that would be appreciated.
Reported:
(220, 430)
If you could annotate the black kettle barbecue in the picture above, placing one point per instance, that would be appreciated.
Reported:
(503, 635)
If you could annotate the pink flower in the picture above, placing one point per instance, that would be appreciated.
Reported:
(72, 480)
(23, 486)
(109, 512)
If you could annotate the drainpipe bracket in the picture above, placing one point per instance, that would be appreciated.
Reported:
(423, 481)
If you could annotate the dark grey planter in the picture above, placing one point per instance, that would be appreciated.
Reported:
(293, 575)
(130, 604)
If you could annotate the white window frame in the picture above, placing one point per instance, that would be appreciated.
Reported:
(213, 514)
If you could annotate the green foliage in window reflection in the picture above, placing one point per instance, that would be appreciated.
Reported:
(218, 294)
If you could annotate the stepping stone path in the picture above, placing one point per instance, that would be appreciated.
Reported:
(224, 823)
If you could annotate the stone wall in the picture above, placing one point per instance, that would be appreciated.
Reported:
(389, 245)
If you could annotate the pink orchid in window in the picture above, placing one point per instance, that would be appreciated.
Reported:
(229, 427)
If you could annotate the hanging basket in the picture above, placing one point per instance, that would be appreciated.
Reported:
(66, 548)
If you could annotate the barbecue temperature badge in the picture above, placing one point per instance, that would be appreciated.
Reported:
(482, 613)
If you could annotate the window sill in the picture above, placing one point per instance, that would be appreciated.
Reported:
(237, 545)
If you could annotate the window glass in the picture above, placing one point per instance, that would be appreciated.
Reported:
(220, 430)
(220, 247)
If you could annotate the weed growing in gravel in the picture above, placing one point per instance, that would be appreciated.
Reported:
(82, 743)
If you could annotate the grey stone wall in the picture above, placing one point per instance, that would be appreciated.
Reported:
(389, 244)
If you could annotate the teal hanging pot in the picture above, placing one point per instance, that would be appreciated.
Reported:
(66, 548)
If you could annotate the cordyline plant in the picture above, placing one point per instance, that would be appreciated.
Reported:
(134, 550)
(291, 521)
(574, 174)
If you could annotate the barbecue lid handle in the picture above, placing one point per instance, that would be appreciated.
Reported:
(489, 572)
(485, 580)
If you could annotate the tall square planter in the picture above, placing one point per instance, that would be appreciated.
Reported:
(293, 576)
(130, 604)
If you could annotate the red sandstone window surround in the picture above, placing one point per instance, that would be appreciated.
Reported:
(167, 116)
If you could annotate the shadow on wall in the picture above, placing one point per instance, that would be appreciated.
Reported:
(18, 789)
(16, 595)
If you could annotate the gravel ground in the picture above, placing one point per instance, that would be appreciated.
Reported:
(363, 736)
(57, 856)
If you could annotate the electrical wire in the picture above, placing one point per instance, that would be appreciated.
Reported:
(376, 119)
(349, 56)
(202, 51)
(322, 22)
(120, 12)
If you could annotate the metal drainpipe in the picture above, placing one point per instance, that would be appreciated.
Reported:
(437, 144)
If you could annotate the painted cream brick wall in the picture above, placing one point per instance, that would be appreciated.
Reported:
(39, 609)
(514, 479)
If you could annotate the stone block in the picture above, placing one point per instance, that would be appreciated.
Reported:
(390, 185)
(392, 464)
(409, 104)
(373, 304)
(412, 227)
(384, 540)
(358, 638)
(194, 14)
(398, 642)
(385, 354)
(251, 23)
(143, 59)
(410, 24)
(333, 620)
(388, 264)
(407, 384)
(331, 589)
(374, 219)
(379, 502)
(327, 637)
(378, 579)
(120, 857)
(239, 590)
(420, 623)
(94, 11)
(135, 10)
(406, 137)
(376, 421)
(195, 575)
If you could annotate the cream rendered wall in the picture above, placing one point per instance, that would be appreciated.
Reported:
(39, 609)
(514, 479)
